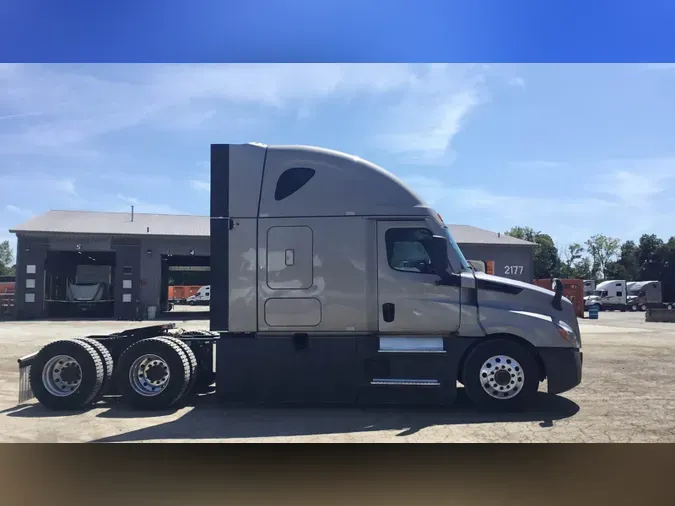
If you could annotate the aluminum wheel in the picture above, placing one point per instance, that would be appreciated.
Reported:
(502, 377)
(644, 307)
(149, 375)
(61, 375)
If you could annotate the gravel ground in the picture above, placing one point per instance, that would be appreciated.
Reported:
(627, 395)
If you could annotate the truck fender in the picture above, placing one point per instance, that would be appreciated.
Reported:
(537, 329)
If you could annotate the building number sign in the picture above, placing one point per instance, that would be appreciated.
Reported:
(513, 270)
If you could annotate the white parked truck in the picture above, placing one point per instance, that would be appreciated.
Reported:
(202, 297)
(331, 281)
(589, 286)
(609, 295)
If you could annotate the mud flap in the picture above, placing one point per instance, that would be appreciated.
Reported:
(25, 390)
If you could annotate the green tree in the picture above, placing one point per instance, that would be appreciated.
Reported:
(668, 272)
(546, 262)
(573, 254)
(628, 260)
(615, 270)
(650, 255)
(7, 267)
(602, 250)
(582, 269)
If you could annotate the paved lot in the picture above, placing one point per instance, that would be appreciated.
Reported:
(627, 395)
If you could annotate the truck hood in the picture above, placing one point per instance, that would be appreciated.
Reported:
(512, 295)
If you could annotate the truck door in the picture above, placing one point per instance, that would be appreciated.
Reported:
(409, 301)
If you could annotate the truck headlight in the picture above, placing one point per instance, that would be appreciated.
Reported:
(567, 333)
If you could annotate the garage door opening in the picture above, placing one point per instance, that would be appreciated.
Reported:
(79, 284)
(186, 291)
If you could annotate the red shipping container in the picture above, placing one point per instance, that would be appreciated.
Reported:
(573, 289)
(182, 292)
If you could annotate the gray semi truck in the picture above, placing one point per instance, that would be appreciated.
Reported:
(331, 281)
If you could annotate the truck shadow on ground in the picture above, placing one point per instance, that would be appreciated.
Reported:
(208, 419)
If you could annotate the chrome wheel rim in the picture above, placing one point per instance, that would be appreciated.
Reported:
(61, 375)
(149, 375)
(502, 377)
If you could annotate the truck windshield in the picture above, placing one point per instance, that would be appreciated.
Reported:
(464, 263)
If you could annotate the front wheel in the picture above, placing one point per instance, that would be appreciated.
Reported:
(500, 374)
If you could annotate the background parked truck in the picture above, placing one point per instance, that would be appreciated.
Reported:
(643, 295)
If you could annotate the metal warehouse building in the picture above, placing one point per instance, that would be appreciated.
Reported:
(141, 250)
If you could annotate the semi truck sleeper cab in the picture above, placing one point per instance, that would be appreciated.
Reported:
(331, 281)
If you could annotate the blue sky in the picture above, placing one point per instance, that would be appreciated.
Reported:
(571, 150)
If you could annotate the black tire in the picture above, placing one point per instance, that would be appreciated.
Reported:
(179, 373)
(528, 369)
(108, 365)
(191, 358)
(92, 374)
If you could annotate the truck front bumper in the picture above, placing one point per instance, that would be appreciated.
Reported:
(563, 368)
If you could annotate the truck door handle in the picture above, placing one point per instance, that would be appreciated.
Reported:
(388, 312)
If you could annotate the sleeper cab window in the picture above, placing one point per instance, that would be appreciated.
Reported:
(291, 181)
(406, 251)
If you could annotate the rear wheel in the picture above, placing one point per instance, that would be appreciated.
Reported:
(108, 366)
(634, 307)
(67, 375)
(643, 307)
(500, 374)
(194, 370)
(153, 374)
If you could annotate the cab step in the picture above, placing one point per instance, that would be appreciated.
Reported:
(406, 382)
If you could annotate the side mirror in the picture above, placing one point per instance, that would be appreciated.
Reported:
(437, 247)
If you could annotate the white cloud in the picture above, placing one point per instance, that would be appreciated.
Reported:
(536, 164)
(17, 210)
(65, 185)
(632, 188)
(431, 113)
(517, 82)
(19, 116)
(129, 200)
(635, 182)
(145, 207)
(200, 185)
(623, 198)
(77, 106)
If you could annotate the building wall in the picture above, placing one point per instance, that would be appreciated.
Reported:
(514, 262)
(138, 269)
(29, 301)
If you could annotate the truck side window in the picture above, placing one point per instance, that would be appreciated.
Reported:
(291, 181)
(406, 252)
